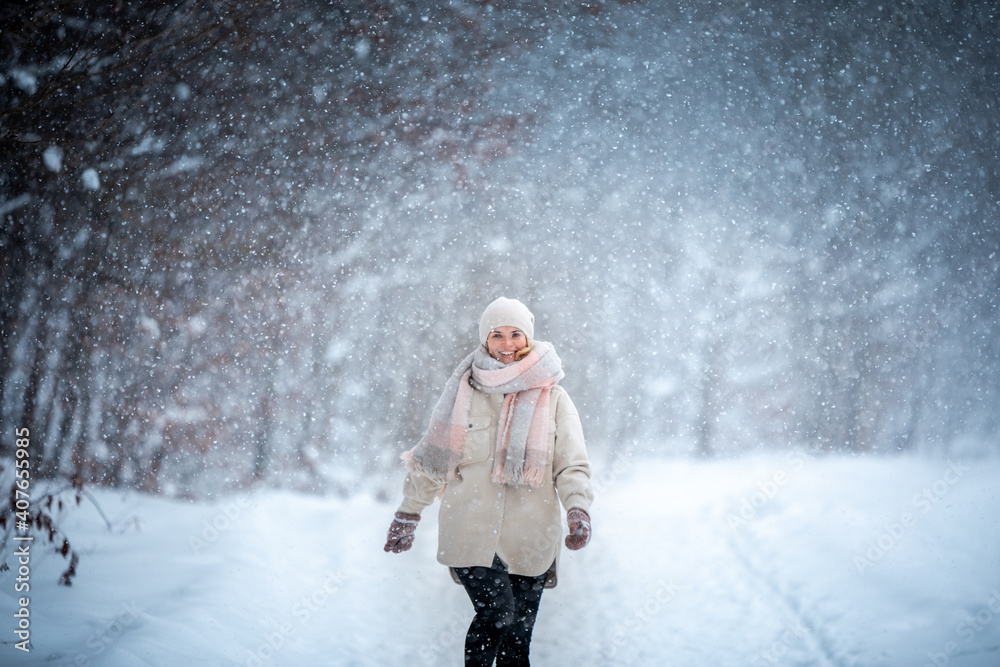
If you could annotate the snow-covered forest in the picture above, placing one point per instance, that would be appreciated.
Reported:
(244, 243)
(234, 235)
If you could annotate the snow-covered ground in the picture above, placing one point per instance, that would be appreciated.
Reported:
(770, 560)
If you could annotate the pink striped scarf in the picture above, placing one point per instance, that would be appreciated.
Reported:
(523, 428)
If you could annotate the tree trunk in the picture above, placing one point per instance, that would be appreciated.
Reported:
(708, 412)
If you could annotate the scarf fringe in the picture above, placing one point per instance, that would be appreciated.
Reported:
(533, 477)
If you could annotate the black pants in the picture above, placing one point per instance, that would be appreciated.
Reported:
(506, 606)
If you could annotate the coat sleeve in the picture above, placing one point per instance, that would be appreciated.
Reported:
(418, 492)
(570, 465)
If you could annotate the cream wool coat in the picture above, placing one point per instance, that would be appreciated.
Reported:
(521, 525)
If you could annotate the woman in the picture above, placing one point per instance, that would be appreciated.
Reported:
(506, 446)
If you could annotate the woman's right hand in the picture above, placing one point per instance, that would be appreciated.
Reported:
(400, 537)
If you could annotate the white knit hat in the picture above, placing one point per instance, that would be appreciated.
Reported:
(506, 312)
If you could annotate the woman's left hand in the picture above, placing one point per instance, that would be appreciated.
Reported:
(579, 528)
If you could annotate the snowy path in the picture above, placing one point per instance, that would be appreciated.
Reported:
(763, 561)
(696, 594)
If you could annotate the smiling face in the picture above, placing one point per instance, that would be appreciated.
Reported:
(504, 342)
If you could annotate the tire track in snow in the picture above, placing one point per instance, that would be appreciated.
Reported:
(813, 636)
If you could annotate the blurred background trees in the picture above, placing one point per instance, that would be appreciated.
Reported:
(246, 242)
